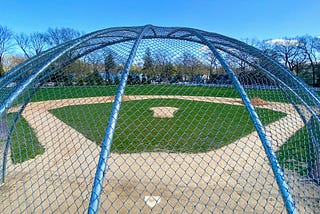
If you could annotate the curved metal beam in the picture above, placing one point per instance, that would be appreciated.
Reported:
(25, 66)
(288, 200)
(107, 141)
(257, 53)
(24, 85)
(281, 83)
(8, 142)
(215, 42)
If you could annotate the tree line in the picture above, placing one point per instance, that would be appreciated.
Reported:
(300, 54)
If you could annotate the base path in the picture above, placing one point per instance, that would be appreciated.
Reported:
(235, 178)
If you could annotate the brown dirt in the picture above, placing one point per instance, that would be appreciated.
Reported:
(235, 178)
(164, 112)
(257, 101)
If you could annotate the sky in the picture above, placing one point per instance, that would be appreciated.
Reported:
(240, 19)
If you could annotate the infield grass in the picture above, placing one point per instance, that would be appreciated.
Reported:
(196, 126)
(213, 127)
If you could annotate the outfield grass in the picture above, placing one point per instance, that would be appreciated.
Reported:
(203, 142)
(24, 143)
(195, 127)
(183, 90)
(297, 152)
(294, 154)
(26, 146)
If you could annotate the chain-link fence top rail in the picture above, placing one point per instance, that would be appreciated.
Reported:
(155, 119)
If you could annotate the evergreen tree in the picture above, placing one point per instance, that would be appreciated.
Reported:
(95, 78)
(148, 61)
(109, 65)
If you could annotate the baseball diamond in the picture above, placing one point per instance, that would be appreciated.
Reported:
(169, 120)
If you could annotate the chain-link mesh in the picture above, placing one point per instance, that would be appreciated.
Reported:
(205, 124)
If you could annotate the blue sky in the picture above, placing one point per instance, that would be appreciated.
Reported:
(240, 19)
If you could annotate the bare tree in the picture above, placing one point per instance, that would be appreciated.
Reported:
(38, 42)
(22, 41)
(310, 47)
(211, 60)
(5, 44)
(288, 51)
(268, 49)
(58, 36)
(191, 66)
(246, 57)
(33, 44)
(190, 62)
(163, 65)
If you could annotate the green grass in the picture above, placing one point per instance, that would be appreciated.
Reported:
(196, 126)
(24, 143)
(296, 152)
(93, 91)
(26, 146)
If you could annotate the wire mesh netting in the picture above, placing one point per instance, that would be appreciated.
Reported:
(153, 119)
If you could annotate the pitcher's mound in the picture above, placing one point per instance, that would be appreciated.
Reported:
(163, 112)
(257, 101)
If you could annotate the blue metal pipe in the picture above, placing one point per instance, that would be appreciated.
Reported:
(106, 145)
(23, 67)
(277, 79)
(8, 141)
(288, 200)
(24, 85)
(257, 53)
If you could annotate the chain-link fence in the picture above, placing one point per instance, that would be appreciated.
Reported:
(157, 120)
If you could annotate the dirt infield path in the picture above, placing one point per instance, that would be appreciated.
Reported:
(241, 182)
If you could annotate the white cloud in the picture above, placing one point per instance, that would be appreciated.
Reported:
(285, 42)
